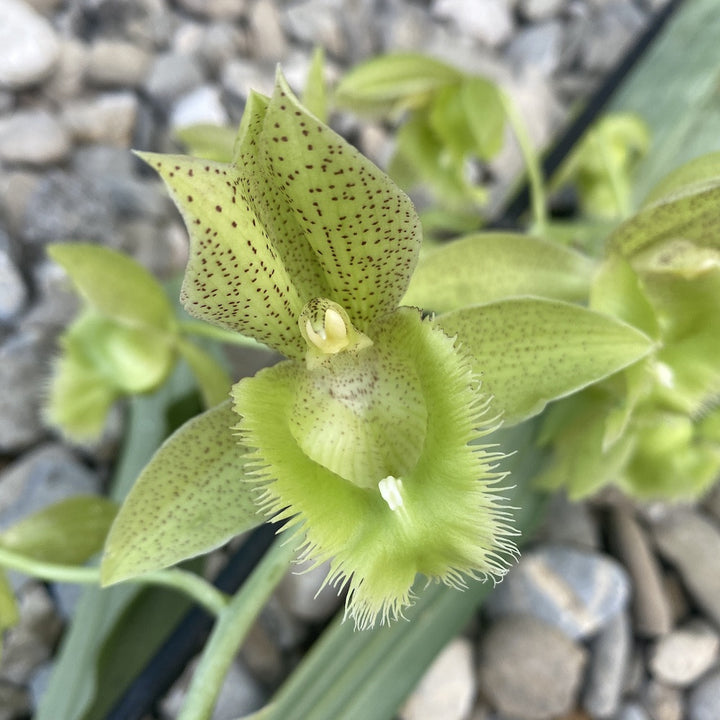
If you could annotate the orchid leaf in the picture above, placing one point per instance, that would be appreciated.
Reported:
(485, 267)
(115, 285)
(531, 351)
(211, 376)
(393, 81)
(210, 142)
(69, 532)
(188, 500)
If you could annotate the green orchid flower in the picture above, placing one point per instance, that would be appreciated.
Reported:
(371, 437)
(125, 340)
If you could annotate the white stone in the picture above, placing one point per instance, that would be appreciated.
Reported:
(68, 78)
(108, 118)
(268, 39)
(683, 655)
(447, 689)
(490, 21)
(33, 137)
(217, 9)
(118, 64)
(29, 45)
(202, 105)
(540, 9)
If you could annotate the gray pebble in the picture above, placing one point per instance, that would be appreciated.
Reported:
(569, 523)
(691, 543)
(447, 688)
(23, 378)
(15, 701)
(711, 502)
(300, 593)
(13, 291)
(652, 613)
(537, 47)
(535, 10)
(609, 35)
(116, 63)
(240, 694)
(490, 22)
(317, 21)
(240, 76)
(683, 655)
(704, 698)
(30, 643)
(33, 137)
(632, 711)
(201, 105)
(107, 118)
(262, 656)
(68, 79)
(65, 207)
(30, 47)
(42, 477)
(663, 702)
(267, 39)
(172, 75)
(216, 9)
(528, 669)
(575, 590)
(607, 668)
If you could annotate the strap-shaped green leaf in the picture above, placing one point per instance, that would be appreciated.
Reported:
(363, 230)
(69, 532)
(115, 285)
(384, 83)
(485, 267)
(531, 351)
(188, 500)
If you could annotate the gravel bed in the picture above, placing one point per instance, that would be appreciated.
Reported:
(613, 611)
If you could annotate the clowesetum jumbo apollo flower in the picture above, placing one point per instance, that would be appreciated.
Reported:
(366, 435)
(369, 439)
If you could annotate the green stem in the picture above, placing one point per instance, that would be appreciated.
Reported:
(193, 585)
(215, 333)
(532, 164)
(617, 186)
(231, 628)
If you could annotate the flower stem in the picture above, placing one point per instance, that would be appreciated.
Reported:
(193, 585)
(231, 628)
(532, 164)
(215, 333)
